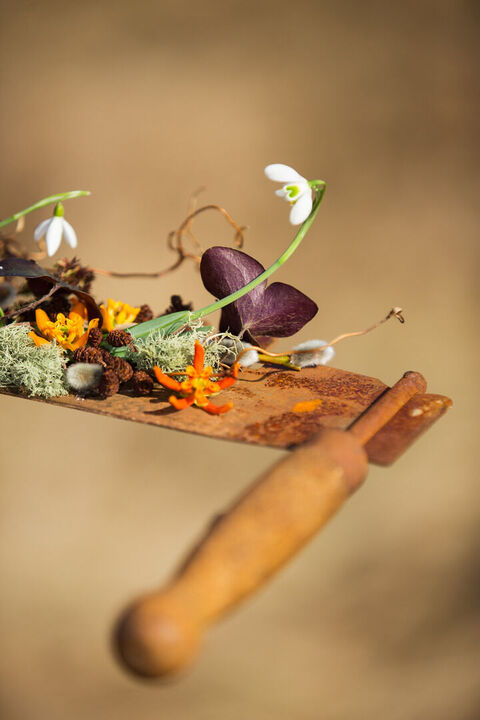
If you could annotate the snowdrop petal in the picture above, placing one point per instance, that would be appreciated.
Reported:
(41, 229)
(70, 234)
(54, 235)
(301, 209)
(282, 173)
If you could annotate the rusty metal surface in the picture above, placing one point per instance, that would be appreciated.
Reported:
(278, 409)
(406, 426)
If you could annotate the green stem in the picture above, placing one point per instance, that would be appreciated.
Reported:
(170, 323)
(319, 187)
(43, 203)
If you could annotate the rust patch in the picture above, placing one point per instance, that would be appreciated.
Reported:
(351, 387)
(276, 429)
(244, 391)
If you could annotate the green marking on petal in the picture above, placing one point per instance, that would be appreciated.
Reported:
(293, 191)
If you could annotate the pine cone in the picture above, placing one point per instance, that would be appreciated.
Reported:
(107, 357)
(145, 313)
(89, 355)
(109, 384)
(118, 338)
(122, 368)
(95, 337)
(142, 383)
(177, 305)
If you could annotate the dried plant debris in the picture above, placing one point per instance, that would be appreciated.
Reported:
(38, 370)
(74, 273)
(48, 283)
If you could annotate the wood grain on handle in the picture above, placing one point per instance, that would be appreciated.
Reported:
(160, 633)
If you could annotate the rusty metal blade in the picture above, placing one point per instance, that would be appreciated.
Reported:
(278, 409)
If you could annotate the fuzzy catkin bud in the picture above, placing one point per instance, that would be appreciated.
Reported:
(83, 377)
(312, 354)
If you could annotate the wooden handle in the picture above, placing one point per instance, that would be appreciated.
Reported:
(160, 633)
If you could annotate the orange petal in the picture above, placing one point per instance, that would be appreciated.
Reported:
(38, 340)
(165, 380)
(81, 342)
(217, 409)
(42, 319)
(107, 319)
(199, 357)
(180, 403)
(80, 309)
(229, 380)
(225, 382)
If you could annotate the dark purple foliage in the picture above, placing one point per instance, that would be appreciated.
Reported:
(20, 267)
(278, 310)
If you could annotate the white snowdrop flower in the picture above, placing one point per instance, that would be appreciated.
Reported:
(315, 357)
(53, 229)
(296, 190)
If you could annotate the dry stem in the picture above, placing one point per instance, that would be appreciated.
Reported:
(175, 242)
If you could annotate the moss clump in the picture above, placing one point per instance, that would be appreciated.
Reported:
(40, 370)
(172, 353)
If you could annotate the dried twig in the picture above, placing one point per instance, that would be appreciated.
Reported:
(34, 304)
(394, 312)
(175, 242)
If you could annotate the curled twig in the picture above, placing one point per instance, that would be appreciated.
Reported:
(394, 312)
(175, 242)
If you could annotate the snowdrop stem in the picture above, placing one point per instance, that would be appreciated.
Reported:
(319, 187)
(52, 199)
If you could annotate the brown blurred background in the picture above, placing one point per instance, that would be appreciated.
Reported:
(141, 103)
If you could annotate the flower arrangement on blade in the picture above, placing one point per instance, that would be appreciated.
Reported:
(55, 337)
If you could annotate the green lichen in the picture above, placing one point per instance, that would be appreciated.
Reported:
(38, 370)
(172, 353)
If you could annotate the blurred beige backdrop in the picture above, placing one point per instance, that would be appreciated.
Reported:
(142, 103)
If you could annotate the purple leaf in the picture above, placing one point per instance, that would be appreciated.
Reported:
(278, 310)
(20, 267)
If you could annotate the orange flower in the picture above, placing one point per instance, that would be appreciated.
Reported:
(69, 333)
(198, 385)
(117, 313)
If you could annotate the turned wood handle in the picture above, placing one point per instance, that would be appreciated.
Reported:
(159, 634)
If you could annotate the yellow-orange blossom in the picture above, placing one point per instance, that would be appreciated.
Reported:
(69, 333)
